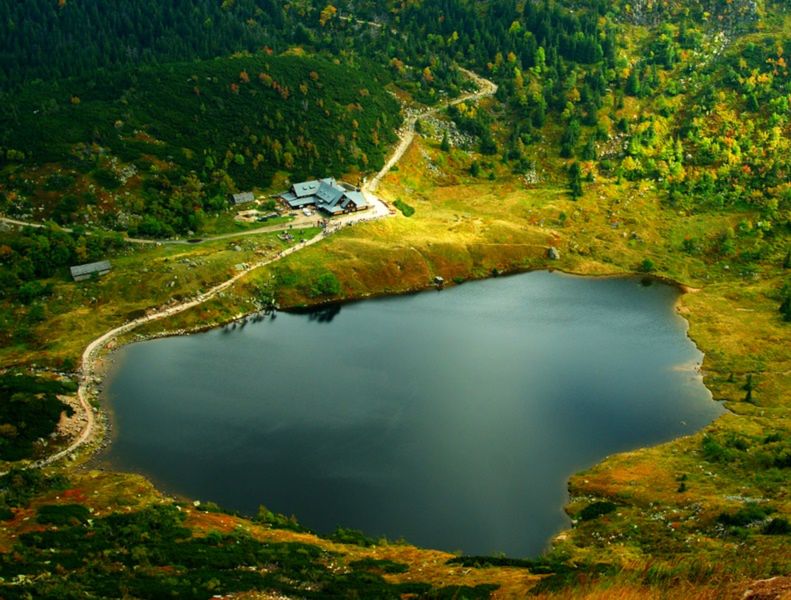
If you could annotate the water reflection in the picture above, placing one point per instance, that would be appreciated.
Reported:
(324, 314)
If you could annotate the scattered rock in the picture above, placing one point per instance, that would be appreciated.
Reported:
(553, 253)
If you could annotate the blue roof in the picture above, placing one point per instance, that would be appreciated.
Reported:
(329, 194)
(243, 197)
(332, 209)
(325, 193)
(83, 271)
(300, 202)
(357, 198)
(305, 188)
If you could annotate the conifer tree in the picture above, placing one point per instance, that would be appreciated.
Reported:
(575, 180)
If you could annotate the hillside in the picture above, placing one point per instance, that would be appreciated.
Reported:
(632, 137)
(49, 40)
(150, 151)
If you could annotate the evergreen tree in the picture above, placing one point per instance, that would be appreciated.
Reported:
(749, 386)
(575, 180)
(589, 152)
(633, 86)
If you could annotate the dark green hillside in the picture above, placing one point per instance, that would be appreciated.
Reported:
(49, 38)
(192, 132)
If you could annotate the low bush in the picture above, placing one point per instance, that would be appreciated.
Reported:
(777, 526)
(405, 208)
(379, 565)
(751, 513)
(63, 514)
(596, 509)
(29, 410)
(351, 536)
(150, 554)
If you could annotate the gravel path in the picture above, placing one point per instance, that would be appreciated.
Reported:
(407, 132)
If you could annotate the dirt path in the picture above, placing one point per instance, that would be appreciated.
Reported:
(90, 356)
(94, 349)
(378, 210)
(222, 236)
(407, 132)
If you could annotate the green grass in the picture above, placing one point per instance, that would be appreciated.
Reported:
(143, 277)
(226, 223)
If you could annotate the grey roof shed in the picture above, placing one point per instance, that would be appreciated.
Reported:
(82, 272)
(243, 197)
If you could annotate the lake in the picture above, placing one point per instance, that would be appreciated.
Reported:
(452, 419)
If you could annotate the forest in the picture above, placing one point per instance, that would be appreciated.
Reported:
(184, 137)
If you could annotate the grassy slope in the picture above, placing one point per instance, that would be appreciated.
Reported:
(143, 277)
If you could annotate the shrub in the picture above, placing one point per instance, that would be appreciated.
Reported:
(713, 451)
(785, 302)
(62, 514)
(597, 509)
(751, 513)
(351, 536)
(32, 290)
(106, 178)
(277, 520)
(646, 266)
(20, 486)
(58, 182)
(777, 526)
(405, 208)
(327, 285)
(33, 408)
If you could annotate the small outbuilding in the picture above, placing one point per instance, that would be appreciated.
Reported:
(86, 271)
(242, 198)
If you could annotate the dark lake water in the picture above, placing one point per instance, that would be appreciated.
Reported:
(452, 419)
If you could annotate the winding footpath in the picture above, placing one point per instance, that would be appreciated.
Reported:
(378, 210)
(407, 133)
(133, 240)
(97, 346)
